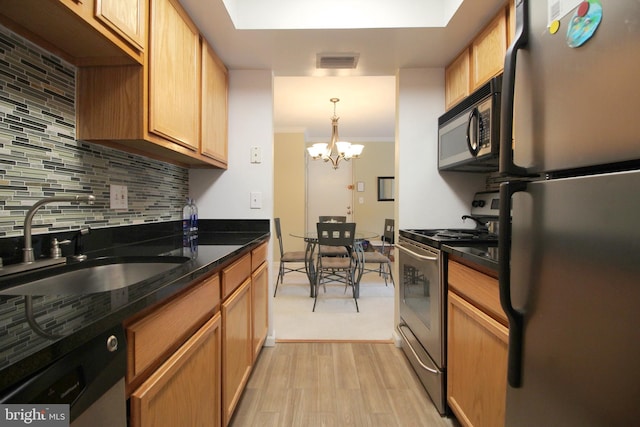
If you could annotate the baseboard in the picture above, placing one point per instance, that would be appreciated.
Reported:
(397, 340)
(270, 341)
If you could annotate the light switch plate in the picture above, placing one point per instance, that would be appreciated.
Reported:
(119, 198)
(256, 200)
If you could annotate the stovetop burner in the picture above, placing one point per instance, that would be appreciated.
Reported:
(484, 209)
(455, 237)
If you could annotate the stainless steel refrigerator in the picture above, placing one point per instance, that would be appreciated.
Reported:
(570, 213)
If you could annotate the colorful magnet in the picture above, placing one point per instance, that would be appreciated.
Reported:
(554, 27)
(582, 28)
(583, 8)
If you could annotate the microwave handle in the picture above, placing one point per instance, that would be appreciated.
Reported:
(520, 41)
(474, 144)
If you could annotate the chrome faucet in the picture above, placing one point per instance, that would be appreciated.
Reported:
(480, 224)
(28, 245)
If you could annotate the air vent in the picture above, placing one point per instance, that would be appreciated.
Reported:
(337, 60)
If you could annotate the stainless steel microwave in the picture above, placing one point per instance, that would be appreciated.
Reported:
(469, 133)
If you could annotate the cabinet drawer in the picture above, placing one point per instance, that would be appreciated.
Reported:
(258, 256)
(235, 274)
(185, 390)
(153, 337)
(478, 288)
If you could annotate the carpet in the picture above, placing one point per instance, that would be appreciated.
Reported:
(335, 317)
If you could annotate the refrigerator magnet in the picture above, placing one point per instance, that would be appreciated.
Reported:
(584, 23)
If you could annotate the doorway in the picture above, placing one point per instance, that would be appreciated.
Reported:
(328, 191)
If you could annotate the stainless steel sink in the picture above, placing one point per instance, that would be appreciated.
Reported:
(92, 276)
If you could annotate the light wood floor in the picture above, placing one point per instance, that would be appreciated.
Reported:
(335, 384)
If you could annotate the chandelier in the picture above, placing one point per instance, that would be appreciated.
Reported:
(338, 149)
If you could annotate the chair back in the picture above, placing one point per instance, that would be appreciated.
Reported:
(279, 235)
(336, 234)
(331, 218)
(389, 227)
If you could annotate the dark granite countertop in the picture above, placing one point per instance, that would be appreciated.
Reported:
(486, 256)
(77, 319)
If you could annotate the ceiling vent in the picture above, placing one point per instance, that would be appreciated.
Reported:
(337, 60)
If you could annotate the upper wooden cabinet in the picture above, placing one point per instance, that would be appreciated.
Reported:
(488, 50)
(457, 79)
(174, 74)
(215, 94)
(83, 32)
(481, 60)
(125, 17)
(154, 109)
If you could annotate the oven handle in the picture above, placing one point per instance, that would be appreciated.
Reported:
(417, 255)
(406, 340)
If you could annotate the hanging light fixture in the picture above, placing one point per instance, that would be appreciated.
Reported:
(338, 149)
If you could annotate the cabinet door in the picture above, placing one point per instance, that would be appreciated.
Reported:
(125, 17)
(260, 297)
(237, 347)
(477, 365)
(457, 80)
(488, 51)
(185, 390)
(174, 74)
(215, 86)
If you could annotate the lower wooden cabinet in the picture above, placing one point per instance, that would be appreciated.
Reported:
(185, 390)
(260, 300)
(477, 346)
(237, 347)
(189, 358)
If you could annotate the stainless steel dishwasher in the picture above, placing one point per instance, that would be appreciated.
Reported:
(90, 379)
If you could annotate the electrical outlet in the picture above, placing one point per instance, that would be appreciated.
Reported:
(256, 154)
(256, 200)
(119, 197)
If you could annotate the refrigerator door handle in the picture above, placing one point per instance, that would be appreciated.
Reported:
(516, 324)
(520, 40)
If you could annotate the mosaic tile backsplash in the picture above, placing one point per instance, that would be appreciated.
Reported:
(40, 157)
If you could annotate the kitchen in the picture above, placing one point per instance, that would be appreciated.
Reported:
(250, 97)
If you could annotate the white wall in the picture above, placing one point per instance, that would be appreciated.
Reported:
(428, 199)
(225, 194)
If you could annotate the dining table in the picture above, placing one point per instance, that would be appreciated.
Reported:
(310, 256)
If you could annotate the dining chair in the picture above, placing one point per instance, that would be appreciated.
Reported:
(336, 251)
(332, 218)
(291, 257)
(332, 268)
(381, 256)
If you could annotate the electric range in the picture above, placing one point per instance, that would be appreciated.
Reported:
(484, 214)
(422, 289)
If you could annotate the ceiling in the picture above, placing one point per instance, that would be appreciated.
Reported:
(290, 33)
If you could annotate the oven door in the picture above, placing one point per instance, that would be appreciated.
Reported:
(422, 296)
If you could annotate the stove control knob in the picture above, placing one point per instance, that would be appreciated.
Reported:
(481, 203)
